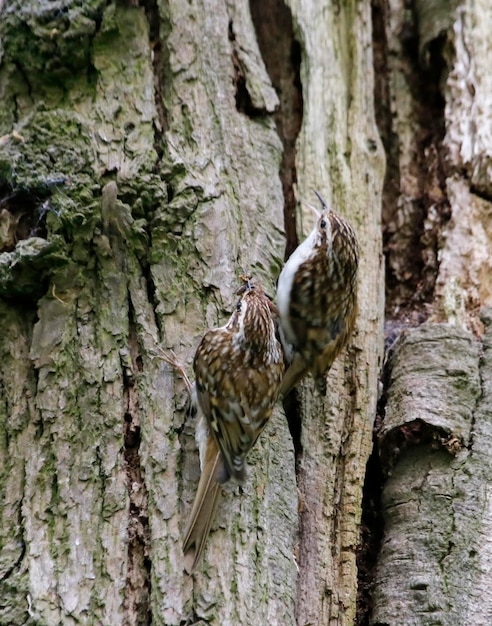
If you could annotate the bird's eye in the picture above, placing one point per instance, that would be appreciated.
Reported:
(238, 306)
(322, 224)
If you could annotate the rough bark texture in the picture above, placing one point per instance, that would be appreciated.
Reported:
(341, 155)
(434, 426)
(148, 152)
(435, 502)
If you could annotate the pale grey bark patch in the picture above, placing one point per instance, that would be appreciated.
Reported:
(226, 203)
(465, 279)
(434, 383)
(467, 90)
(432, 563)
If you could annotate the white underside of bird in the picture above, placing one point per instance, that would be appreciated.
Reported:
(285, 280)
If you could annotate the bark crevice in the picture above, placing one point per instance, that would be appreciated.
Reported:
(273, 22)
(410, 71)
(281, 54)
(415, 202)
(22, 215)
(156, 40)
(137, 604)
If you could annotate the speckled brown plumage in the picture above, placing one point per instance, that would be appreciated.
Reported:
(239, 369)
(317, 298)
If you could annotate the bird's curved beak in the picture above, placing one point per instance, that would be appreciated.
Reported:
(322, 200)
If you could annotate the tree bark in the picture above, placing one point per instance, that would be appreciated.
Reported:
(147, 155)
(338, 150)
(433, 433)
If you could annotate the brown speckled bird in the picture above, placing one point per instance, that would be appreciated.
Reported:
(238, 369)
(317, 298)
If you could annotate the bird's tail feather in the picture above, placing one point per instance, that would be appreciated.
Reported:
(204, 507)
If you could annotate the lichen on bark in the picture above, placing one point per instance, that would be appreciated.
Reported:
(141, 143)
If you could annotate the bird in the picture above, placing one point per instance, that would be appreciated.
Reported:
(317, 298)
(238, 372)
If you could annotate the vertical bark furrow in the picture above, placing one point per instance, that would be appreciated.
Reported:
(415, 204)
(157, 42)
(410, 116)
(281, 53)
(339, 153)
(137, 605)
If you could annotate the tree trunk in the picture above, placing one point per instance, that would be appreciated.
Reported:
(432, 564)
(147, 155)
